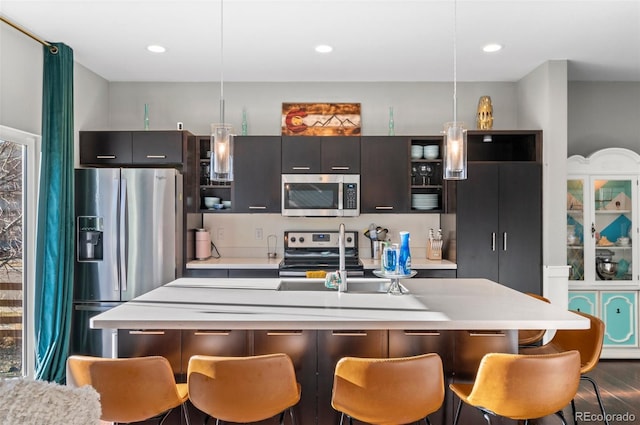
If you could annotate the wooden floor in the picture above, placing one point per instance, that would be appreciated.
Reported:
(619, 384)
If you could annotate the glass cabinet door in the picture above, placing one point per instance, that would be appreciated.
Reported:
(611, 228)
(575, 228)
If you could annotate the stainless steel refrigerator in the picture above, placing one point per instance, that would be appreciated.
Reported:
(128, 242)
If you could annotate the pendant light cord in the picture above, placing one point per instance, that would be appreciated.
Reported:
(455, 63)
(221, 61)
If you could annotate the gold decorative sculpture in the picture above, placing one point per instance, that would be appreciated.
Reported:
(485, 113)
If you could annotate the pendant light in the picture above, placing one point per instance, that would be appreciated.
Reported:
(221, 165)
(455, 142)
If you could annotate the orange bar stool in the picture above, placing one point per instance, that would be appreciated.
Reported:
(388, 391)
(521, 387)
(243, 389)
(588, 342)
(131, 389)
(532, 336)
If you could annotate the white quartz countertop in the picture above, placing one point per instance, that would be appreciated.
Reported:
(272, 263)
(432, 304)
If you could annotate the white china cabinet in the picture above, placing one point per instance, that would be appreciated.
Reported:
(603, 242)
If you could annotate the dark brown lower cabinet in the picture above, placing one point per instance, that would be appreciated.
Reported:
(302, 347)
(230, 343)
(468, 349)
(405, 343)
(152, 342)
(332, 346)
(315, 353)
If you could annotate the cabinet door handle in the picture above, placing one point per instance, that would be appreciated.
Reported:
(593, 230)
(105, 157)
(349, 333)
(156, 156)
(142, 332)
(504, 241)
(493, 241)
(339, 168)
(284, 333)
(487, 333)
(209, 333)
(257, 207)
(421, 333)
(383, 207)
(300, 168)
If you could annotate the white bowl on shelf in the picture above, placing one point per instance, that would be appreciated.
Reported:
(211, 201)
(431, 151)
(416, 151)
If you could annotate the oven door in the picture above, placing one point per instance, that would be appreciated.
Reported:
(311, 195)
(299, 267)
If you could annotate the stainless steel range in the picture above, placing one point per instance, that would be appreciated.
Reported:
(318, 250)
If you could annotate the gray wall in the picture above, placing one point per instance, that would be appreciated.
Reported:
(21, 87)
(20, 81)
(419, 108)
(603, 115)
(543, 104)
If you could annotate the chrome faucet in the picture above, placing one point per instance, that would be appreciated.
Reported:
(342, 272)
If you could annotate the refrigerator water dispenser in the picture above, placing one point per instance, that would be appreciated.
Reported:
(89, 244)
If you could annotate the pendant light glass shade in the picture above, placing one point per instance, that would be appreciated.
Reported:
(221, 152)
(455, 151)
(221, 145)
(455, 135)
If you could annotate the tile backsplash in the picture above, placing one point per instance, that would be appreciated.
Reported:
(246, 235)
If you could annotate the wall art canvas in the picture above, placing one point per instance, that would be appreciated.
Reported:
(320, 119)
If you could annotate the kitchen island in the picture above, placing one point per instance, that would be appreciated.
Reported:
(460, 319)
(437, 304)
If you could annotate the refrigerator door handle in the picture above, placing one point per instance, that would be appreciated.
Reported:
(122, 244)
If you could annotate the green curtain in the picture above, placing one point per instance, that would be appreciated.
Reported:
(54, 233)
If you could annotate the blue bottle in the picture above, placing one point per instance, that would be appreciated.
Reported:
(404, 266)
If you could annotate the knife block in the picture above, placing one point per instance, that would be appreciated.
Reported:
(434, 249)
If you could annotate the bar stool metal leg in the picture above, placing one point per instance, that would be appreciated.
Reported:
(597, 391)
(457, 415)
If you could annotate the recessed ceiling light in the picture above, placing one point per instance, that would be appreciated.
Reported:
(324, 48)
(156, 48)
(491, 48)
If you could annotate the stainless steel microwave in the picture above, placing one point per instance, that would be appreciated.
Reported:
(321, 195)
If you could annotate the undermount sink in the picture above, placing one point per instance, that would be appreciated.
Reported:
(354, 285)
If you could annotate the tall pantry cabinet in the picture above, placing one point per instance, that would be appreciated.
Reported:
(498, 210)
(602, 244)
(499, 224)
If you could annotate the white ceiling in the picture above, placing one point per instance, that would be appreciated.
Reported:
(373, 40)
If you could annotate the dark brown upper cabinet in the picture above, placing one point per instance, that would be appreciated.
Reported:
(320, 154)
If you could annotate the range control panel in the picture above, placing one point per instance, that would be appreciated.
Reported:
(329, 239)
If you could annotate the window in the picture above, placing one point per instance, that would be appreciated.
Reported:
(18, 185)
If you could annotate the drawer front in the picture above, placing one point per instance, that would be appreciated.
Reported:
(151, 342)
(469, 347)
